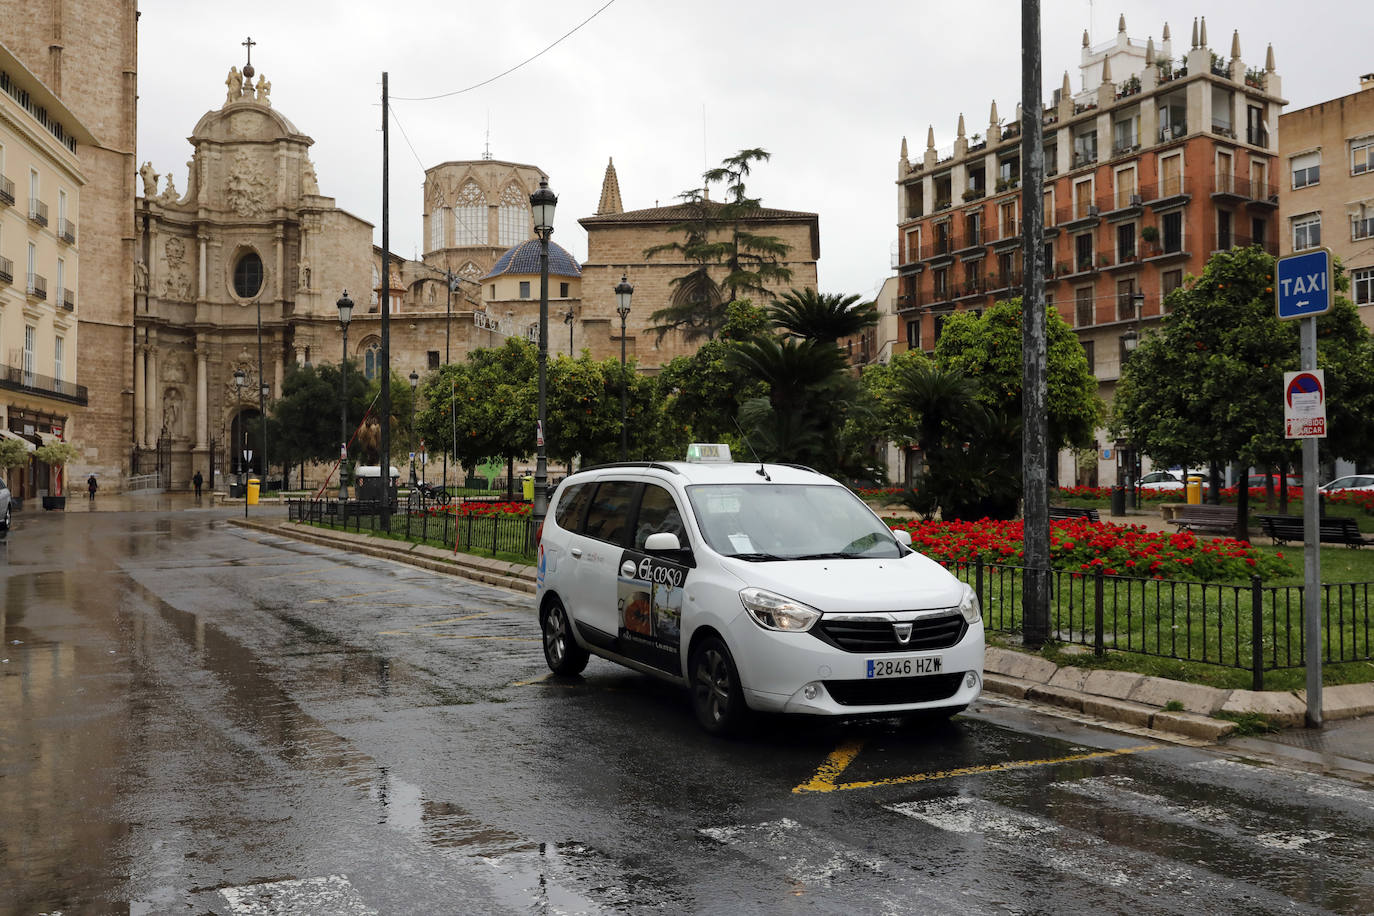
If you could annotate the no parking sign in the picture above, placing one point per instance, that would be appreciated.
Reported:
(1304, 404)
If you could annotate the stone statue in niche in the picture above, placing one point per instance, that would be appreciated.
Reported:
(310, 183)
(140, 276)
(264, 89)
(304, 281)
(150, 177)
(177, 285)
(234, 83)
(430, 295)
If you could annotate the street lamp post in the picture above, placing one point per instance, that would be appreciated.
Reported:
(241, 379)
(1129, 341)
(262, 403)
(448, 318)
(542, 204)
(345, 305)
(414, 385)
(623, 292)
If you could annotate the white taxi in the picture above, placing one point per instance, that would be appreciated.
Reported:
(761, 587)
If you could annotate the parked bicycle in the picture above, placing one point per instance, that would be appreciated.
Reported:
(432, 493)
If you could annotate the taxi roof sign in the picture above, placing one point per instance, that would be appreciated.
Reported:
(709, 452)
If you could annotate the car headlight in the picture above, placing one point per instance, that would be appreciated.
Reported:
(775, 612)
(968, 606)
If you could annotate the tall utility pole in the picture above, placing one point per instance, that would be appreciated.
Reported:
(1035, 609)
(384, 459)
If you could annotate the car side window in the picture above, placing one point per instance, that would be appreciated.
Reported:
(658, 512)
(608, 516)
(572, 505)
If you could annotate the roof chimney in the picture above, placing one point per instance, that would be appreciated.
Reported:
(1367, 81)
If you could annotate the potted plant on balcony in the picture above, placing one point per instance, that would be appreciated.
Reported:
(1150, 236)
(56, 455)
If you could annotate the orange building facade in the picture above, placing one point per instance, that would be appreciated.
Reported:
(1152, 166)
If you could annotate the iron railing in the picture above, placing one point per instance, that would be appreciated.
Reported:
(1252, 627)
(424, 521)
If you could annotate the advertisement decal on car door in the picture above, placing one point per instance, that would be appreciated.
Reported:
(649, 598)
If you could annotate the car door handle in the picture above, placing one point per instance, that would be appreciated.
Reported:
(628, 568)
(576, 551)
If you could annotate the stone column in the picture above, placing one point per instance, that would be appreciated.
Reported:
(202, 399)
(203, 270)
(140, 394)
(151, 415)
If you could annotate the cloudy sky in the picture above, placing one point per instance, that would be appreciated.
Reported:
(667, 88)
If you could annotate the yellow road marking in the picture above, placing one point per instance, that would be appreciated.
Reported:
(534, 680)
(825, 778)
(355, 595)
(498, 638)
(440, 623)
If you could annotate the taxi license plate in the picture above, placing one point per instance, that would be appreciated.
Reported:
(904, 667)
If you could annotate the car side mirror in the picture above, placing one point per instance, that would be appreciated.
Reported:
(662, 542)
(903, 536)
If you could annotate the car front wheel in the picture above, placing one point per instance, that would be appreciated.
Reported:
(717, 698)
(561, 650)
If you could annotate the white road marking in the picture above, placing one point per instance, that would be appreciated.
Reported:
(803, 854)
(327, 896)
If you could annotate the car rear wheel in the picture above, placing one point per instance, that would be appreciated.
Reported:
(717, 698)
(561, 650)
(5, 521)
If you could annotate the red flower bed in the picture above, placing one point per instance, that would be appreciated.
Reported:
(482, 509)
(871, 492)
(1080, 546)
(1364, 499)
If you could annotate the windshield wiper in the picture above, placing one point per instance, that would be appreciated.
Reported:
(828, 556)
(756, 557)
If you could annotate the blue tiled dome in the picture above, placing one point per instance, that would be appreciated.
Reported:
(524, 259)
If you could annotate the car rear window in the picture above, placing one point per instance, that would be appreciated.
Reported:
(608, 518)
(572, 505)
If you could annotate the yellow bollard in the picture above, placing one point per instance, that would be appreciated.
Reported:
(252, 491)
(1194, 490)
(527, 487)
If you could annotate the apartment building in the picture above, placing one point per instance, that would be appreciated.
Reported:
(1155, 163)
(40, 209)
(1326, 152)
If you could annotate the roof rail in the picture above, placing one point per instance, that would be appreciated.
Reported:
(799, 467)
(632, 464)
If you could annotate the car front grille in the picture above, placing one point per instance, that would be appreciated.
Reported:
(890, 691)
(877, 635)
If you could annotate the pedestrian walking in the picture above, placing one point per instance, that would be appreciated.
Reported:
(90, 486)
(198, 481)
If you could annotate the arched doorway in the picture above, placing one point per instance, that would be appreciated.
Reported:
(245, 432)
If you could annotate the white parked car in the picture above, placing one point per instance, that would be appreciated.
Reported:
(4, 505)
(1161, 480)
(760, 587)
(1352, 482)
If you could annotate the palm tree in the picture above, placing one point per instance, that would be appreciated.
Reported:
(826, 317)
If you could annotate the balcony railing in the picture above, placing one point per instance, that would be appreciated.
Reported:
(67, 231)
(1123, 147)
(1223, 130)
(16, 379)
(1082, 159)
(1124, 198)
(1007, 280)
(1244, 188)
(1165, 189)
(6, 270)
(6, 191)
(38, 212)
(1173, 131)
(938, 248)
(68, 300)
(973, 238)
(37, 286)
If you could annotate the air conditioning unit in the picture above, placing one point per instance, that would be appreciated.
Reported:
(1135, 200)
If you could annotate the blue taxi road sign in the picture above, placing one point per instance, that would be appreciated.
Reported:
(1303, 282)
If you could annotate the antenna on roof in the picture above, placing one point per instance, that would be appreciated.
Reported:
(762, 471)
(486, 153)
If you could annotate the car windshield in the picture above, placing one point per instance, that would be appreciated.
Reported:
(769, 521)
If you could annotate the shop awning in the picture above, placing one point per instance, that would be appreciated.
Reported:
(49, 438)
(27, 444)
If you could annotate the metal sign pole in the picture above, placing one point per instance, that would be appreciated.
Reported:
(1311, 594)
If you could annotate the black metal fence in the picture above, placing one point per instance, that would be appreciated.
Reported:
(424, 521)
(1254, 627)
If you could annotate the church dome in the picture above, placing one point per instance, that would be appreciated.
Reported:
(524, 259)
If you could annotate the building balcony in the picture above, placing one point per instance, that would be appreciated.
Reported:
(14, 378)
(66, 231)
(38, 212)
(1000, 281)
(1169, 132)
(1125, 148)
(1125, 260)
(6, 191)
(1082, 159)
(69, 300)
(1166, 193)
(971, 241)
(36, 287)
(908, 303)
(6, 271)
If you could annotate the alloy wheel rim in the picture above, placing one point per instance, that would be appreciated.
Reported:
(553, 636)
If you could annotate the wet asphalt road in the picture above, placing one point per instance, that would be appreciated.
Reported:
(197, 718)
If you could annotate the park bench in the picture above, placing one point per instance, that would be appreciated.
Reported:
(1195, 517)
(1061, 512)
(1330, 530)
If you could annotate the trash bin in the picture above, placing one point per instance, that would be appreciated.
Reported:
(527, 485)
(1118, 500)
(1194, 490)
(253, 486)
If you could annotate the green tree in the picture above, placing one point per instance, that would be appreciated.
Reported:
(498, 417)
(306, 417)
(718, 243)
(822, 316)
(584, 411)
(987, 348)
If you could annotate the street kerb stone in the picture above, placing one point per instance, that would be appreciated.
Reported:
(1344, 701)
(1070, 678)
(1056, 696)
(1005, 686)
(1115, 710)
(1160, 691)
(1019, 665)
(1115, 684)
(1194, 726)
(1280, 707)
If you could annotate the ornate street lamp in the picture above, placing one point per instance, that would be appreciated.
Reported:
(240, 379)
(345, 305)
(542, 204)
(414, 384)
(623, 292)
